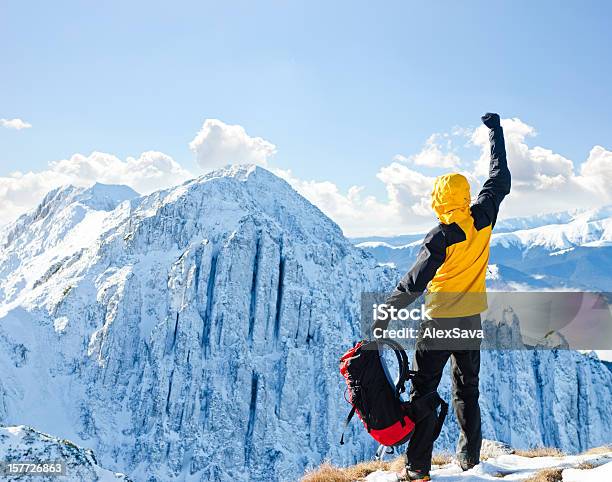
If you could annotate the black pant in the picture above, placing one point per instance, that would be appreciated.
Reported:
(429, 361)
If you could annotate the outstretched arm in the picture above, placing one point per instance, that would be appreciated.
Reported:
(486, 207)
(430, 258)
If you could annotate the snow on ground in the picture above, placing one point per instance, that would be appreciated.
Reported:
(515, 467)
(603, 473)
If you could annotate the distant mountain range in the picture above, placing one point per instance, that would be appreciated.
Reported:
(565, 250)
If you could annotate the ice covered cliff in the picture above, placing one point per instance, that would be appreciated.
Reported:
(193, 334)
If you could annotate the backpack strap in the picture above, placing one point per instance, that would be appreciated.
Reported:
(383, 450)
(405, 373)
(441, 418)
(423, 406)
(346, 422)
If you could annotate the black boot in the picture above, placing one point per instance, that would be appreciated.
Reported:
(413, 475)
(466, 463)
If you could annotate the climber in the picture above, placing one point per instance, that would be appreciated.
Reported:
(451, 266)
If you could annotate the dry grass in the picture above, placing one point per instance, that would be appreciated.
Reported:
(397, 464)
(605, 449)
(441, 459)
(361, 470)
(547, 475)
(586, 466)
(539, 452)
(328, 473)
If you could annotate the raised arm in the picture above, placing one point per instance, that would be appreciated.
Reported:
(430, 258)
(486, 207)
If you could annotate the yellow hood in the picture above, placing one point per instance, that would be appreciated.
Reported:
(450, 198)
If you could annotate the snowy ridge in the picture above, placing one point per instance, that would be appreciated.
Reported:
(580, 231)
(568, 250)
(68, 219)
(24, 444)
(576, 468)
(562, 217)
(382, 244)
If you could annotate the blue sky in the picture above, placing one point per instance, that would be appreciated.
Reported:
(339, 88)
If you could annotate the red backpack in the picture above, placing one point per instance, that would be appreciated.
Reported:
(377, 401)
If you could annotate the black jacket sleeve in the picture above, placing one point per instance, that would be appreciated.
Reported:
(486, 207)
(430, 258)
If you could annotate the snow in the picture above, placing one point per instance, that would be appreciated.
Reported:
(563, 217)
(557, 232)
(60, 324)
(514, 467)
(24, 444)
(382, 244)
(603, 473)
(580, 231)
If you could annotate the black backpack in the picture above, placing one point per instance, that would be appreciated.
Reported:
(377, 401)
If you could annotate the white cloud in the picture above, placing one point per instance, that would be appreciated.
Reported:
(218, 144)
(405, 209)
(596, 173)
(433, 155)
(527, 163)
(17, 124)
(361, 215)
(150, 171)
(542, 180)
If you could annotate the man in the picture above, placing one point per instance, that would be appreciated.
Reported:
(451, 265)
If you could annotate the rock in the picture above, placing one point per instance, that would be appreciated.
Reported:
(494, 448)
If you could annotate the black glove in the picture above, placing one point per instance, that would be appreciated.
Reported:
(491, 120)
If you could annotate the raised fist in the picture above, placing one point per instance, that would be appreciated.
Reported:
(491, 120)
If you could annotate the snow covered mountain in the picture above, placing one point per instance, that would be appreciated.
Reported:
(23, 444)
(193, 334)
(559, 250)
